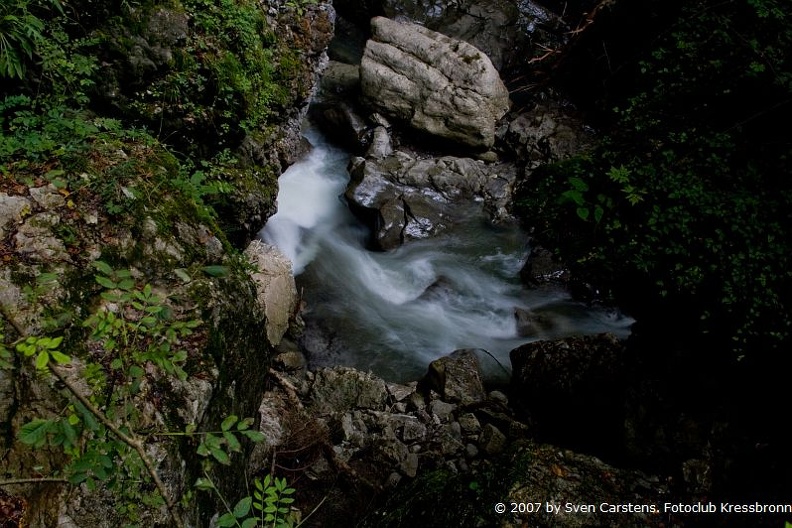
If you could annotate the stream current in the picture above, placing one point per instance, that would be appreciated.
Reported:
(392, 313)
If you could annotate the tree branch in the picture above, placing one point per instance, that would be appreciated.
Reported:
(131, 440)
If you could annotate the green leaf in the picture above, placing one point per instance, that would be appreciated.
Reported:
(233, 443)
(216, 270)
(42, 360)
(598, 212)
(578, 184)
(204, 484)
(34, 432)
(103, 267)
(572, 196)
(583, 213)
(244, 424)
(60, 358)
(226, 521)
(136, 372)
(221, 456)
(69, 432)
(105, 282)
(250, 523)
(255, 436)
(182, 274)
(242, 507)
(126, 284)
(88, 418)
(53, 343)
(229, 422)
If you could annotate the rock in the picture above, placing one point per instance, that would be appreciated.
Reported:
(492, 441)
(342, 123)
(47, 197)
(291, 361)
(339, 80)
(34, 239)
(394, 212)
(541, 266)
(341, 389)
(442, 410)
(469, 424)
(12, 210)
(530, 323)
(498, 397)
(437, 84)
(413, 431)
(380, 144)
(571, 385)
(399, 393)
(522, 473)
(501, 29)
(546, 134)
(451, 439)
(277, 293)
(404, 198)
(456, 378)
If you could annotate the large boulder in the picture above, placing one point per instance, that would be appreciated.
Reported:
(573, 390)
(504, 30)
(437, 84)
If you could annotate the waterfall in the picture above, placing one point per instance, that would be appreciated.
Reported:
(392, 313)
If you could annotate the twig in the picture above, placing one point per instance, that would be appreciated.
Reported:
(286, 385)
(42, 480)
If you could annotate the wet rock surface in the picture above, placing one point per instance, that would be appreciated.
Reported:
(403, 197)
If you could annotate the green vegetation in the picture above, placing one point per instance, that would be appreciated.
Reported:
(686, 204)
(103, 433)
(267, 507)
(153, 121)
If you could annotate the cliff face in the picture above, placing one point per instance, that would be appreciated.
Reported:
(128, 189)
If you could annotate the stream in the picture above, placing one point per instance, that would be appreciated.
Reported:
(392, 313)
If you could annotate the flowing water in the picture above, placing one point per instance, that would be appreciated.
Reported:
(392, 313)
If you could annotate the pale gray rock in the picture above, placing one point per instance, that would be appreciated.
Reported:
(277, 293)
(380, 144)
(437, 84)
(12, 211)
(34, 239)
(47, 197)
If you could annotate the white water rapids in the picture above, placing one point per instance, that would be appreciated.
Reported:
(375, 308)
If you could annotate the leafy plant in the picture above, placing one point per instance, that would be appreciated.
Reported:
(20, 33)
(267, 507)
(681, 203)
